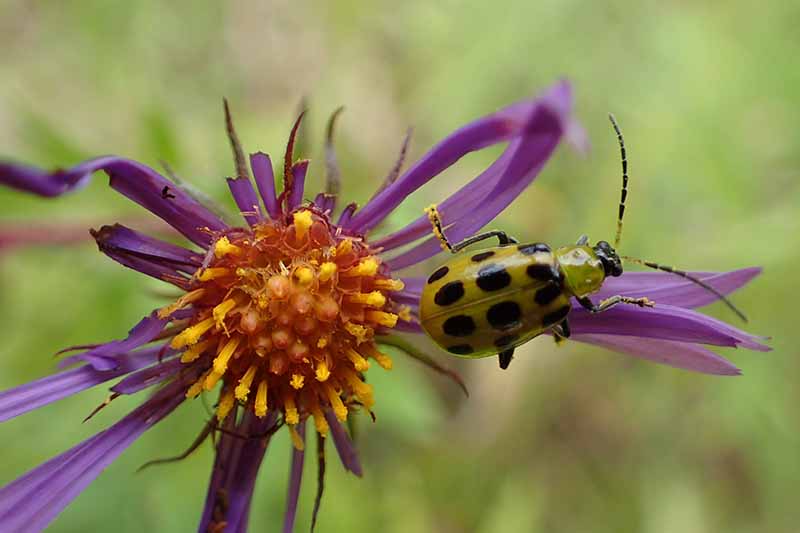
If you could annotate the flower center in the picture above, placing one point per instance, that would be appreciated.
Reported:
(286, 313)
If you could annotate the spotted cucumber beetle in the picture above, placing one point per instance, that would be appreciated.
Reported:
(491, 301)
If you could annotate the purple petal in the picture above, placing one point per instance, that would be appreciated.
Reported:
(498, 127)
(235, 469)
(138, 182)
(662, 322)
(105, 356)
(150, 376)
(19, 400)
(295, 477)
(246, 199)
(669, 289)
(299, 171)
(481, 200)
(344, 446)
(265, 181)
(325, 202)
(31, 502)
(346, 215)
(676, 354)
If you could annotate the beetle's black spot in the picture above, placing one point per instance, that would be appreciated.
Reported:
(439, 274)
(504, 315)
(530, 249)
(505, 341)
(459, 326)
(540, 271)
(449, 293)
(547, 294)
(477, 258)
(493, 277)
(556, 316)
(460, 349)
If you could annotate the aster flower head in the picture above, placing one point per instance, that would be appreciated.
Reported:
(281, 316)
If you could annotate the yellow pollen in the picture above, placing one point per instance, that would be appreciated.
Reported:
(260, 406)
(359, 363)
(339, 408)
(222, 309)
(384, 319)
(358, 331)
(197, 387)
(181, 302)
(389, 284)
(213, 273)
(297, 381)
(290, 410)
(320, 422)
(322, 372)
(224, 247)
(297, 440)
(344, 247)
(373, 299)
(404, 312)
(221, 361)
(211, 379)
(304, 276)
(367, 267)
(382, 359)
(361, 389)
(193, 353)
(322, 342)
(302, 221)
(225, 405)
(243, 388)
(192, 334)
(326, 271)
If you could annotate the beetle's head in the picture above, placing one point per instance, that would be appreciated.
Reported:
(612, 264)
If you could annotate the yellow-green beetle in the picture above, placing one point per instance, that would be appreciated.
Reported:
(488, 302)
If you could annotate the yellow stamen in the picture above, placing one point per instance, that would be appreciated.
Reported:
(181, 302)
(359, 363)
(339, 408)
(213, 273)
(211, 379)
(225, 405)
(302, 221)
(374, 298)
(382, 359)
(224, 247)
(404, 312)
(363, 390)
(384, 319)
(389, 284)
(344, 247)
(197, 387)
(243, 388)
(290, 415)
(297, 440)
(224, 355)
(191, 334)
(326, 271)
(222, 309)
(193, 353)
(297, 381)
(367, 267)
(304, 276)
(358, 331)
(261, 400)
(322, 372)
(320, 422)
(322, 342)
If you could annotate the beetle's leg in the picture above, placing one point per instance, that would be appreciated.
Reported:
(438, 230)
(505, 357)
(608, 303)
(582, 240)
(561, 332)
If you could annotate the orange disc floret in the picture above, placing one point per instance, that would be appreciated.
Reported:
(286, 314)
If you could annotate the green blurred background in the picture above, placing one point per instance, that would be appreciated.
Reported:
(573, 439)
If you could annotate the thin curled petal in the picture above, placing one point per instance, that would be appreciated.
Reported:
(264, 177)
(138, 182)
(683, 355)
(501, 126)
(147, 377)
(246, 200)
(295, 478)
(299, 171)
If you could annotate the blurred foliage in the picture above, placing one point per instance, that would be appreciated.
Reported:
(570, 439)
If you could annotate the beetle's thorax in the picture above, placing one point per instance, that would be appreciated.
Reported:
(581, 270)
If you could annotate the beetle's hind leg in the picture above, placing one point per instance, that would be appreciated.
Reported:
(438, 230)
(608, 303)
(505, 358)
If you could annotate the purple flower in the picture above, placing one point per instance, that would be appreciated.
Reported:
(281, 315)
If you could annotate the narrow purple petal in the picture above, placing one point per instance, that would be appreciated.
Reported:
(346, 215)
(662, 322)
(246, 199)
(31, 502)
(138, 182)
(295, 477)
(124, 240)
(235, 470)
(265, 181)
(344, 446)
(669, 289)
(149, 376)
(19, 400)
(325, 202)
(676, 354)
(299, 171)
(105, 356)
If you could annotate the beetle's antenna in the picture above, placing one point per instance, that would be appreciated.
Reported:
(624, 193)
(691, 278)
